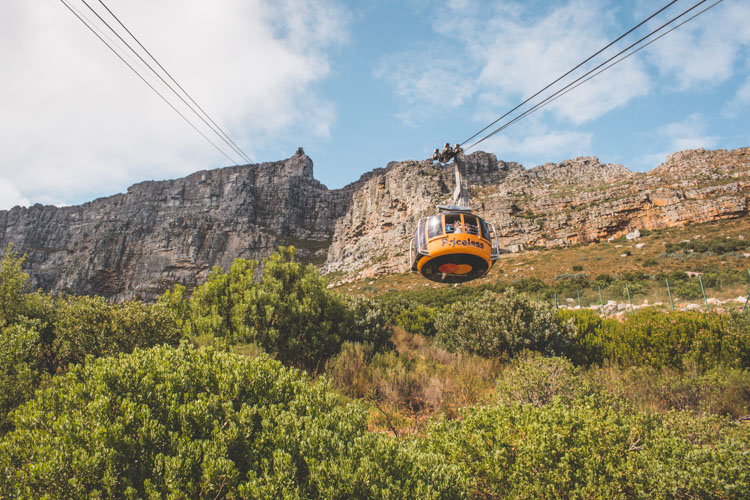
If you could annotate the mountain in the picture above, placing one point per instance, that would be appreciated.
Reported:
(159, 233)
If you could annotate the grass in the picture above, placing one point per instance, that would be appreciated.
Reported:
(600, 258)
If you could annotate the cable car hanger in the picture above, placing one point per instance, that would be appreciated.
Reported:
(454, 245)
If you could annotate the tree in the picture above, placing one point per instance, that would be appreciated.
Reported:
(290, 313)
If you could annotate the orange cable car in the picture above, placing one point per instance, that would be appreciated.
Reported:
(455, 245)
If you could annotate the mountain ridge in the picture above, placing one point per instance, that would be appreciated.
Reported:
(158, 233)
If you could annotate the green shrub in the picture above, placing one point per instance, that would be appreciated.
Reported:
(659, 339)
(569, 284)
(531, 285)
(88, 326)
(501, 325)
(290, 313)
(187, 423)
(590, 450)
(20, 367)
(420, 320)
(712, 246)
(13, 287)
(537, 380)
(690, 290)
(593, 335)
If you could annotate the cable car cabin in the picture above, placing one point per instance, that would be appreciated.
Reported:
(453, 247)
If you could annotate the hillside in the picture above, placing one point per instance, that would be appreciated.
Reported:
(159, 233)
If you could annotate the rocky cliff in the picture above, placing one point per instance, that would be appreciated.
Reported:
(159, 233)
(576, 201)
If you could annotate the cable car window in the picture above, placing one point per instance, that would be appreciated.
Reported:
(453, 223)
(485, 230)
(421, 240)
(470, 225)
(435, 226)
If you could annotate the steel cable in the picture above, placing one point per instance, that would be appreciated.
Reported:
(80, 18)
(593, 70)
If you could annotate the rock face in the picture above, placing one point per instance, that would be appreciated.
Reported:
(576, 201)
(160, 233)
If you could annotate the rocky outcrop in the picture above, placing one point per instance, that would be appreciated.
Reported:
(160, 233)
(576, 201)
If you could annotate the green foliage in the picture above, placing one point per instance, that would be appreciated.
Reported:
(593, 335)
(420, 320)
(649, 337)
(187, 423)
(711, 246)
(538, 381)
(590, 450)
(531, 285)
(290, 313)
(501, 325)
(88, 326)
(690, 290)
(13, 285)
(20, 367)
(658, 339)
(438, 298)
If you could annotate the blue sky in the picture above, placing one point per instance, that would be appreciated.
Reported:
(357, 84)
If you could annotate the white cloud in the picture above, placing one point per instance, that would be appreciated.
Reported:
(513, 52)
(689, 133)
(426, 77)
(77, 123)
(741, 99)
(706, 50)
(10, 196)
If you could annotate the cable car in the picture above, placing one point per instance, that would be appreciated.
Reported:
(455, 245)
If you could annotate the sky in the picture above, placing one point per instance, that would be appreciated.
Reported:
(356, 84)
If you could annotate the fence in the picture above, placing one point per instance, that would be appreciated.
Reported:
(603, 305)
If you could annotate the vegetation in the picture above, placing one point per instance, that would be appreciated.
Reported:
(499, 326)
(477, 392)
(188, 423)
(289, 313)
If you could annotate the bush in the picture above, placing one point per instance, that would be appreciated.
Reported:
(290, 313)
(20, 367)
(593, 335)
(675, 340)
(569, 284)
(420, 320)
(13, 287)
(589, 450)
(88, 326)
(690, 290)
(536, 380)
(501, 325)
(186, 423)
